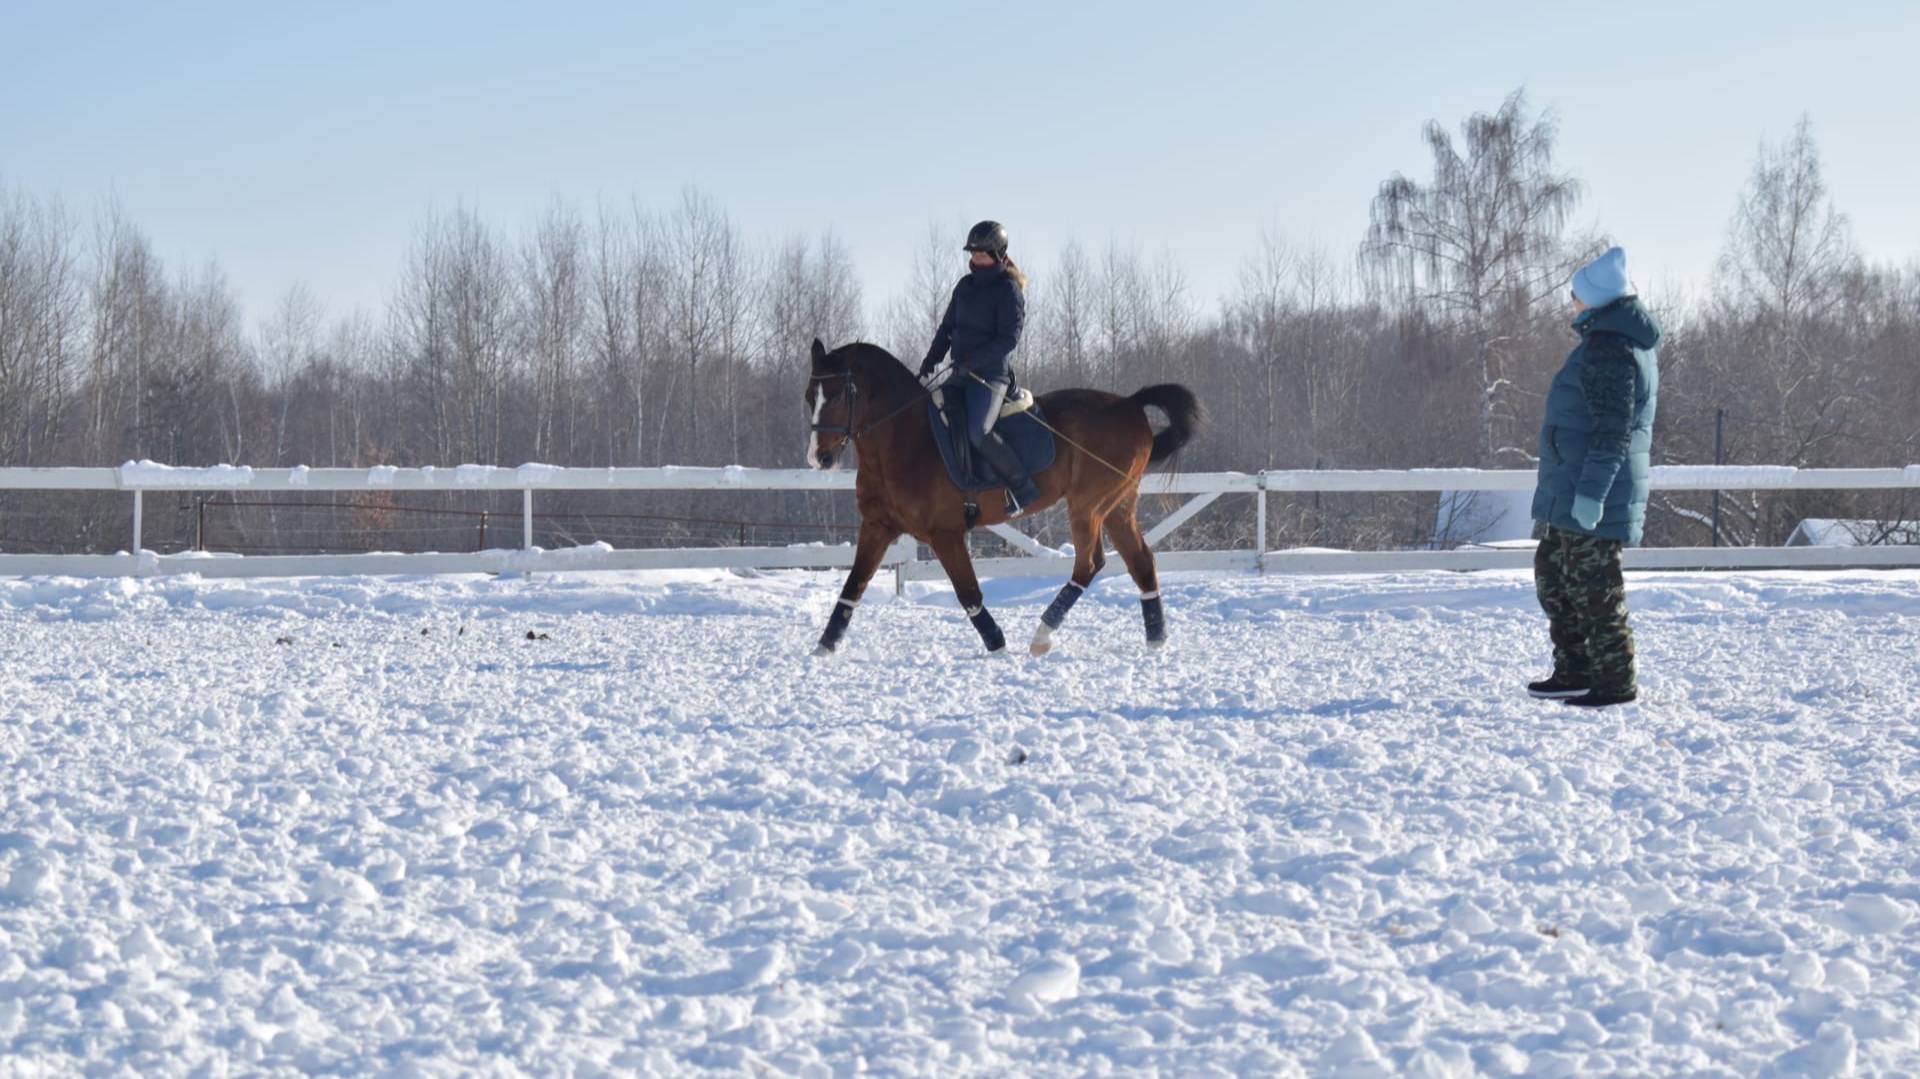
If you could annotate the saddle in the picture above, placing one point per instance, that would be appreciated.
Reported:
(1017, 427)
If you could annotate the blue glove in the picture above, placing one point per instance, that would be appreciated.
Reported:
(1586, 512)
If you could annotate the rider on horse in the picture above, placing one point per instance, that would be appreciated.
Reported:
(982, 327)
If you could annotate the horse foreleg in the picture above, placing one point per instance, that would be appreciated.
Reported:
(1124, 530)
(872, 547)
(951, 549)
(1088, 557)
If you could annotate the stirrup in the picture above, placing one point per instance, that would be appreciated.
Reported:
(1016, 508)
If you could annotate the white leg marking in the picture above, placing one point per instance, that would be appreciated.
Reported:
(1042, 641)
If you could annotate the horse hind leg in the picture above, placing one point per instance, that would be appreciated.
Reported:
(1088, 558)
(1124, 530)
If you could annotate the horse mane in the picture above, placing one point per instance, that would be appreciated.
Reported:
(892, 375)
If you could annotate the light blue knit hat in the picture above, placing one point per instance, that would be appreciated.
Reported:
(1603, 280)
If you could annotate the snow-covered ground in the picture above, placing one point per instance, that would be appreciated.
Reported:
(368, 825)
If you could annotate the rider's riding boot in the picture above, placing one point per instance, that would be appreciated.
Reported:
(999, 456)
(955, 410)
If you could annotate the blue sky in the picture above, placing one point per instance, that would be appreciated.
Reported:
(303, 143)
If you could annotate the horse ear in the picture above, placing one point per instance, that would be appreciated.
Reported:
(819, 352)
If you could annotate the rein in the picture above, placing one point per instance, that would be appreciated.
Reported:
(851, 432)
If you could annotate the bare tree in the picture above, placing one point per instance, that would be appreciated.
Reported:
(1060, 317)
(611, 333)
(1330, 374)
(835, 299)
(553, 290)
(203, 391)
(809, 292)
(341, 392)
(630, 316)
(1784, 352)
(1259, 317)
(1121, 308)
(1788, 249)
(451, 323)
(708, 293)
(1167, 320)
(1481, 242)
(1286, 316)
(40, 304)
(127, 318)
(914, 315)
(288, 346)
(418, 342)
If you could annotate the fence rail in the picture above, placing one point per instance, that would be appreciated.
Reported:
(1036, 559)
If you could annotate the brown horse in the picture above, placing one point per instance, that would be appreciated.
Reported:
(860, 394)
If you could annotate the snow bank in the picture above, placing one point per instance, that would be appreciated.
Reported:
(153, 474)
(533, 474)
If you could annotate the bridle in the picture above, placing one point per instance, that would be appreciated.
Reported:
(849, 430)
(846, 429)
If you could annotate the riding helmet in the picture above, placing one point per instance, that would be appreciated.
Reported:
(988, 236)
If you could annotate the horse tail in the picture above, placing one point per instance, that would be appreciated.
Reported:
(1184, 417)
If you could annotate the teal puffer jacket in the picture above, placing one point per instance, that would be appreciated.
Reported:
(1597, 437)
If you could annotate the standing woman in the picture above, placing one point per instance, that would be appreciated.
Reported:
(982, 327)
(1596, 446)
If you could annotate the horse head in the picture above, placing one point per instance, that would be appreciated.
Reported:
(830, 406)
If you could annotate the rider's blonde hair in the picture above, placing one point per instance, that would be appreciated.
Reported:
(1013, 270)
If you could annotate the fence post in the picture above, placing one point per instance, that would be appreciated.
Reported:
(200, 528)
(1318, 529)
(526, 525)
(1260, 528)
(1719, 428)
(905, 550)
(139, 507)
(483, 531)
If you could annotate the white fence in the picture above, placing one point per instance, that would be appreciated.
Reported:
(1035, 560)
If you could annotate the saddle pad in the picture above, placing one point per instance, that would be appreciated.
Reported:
(1032, 443)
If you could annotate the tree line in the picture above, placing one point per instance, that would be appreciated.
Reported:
(630, 335)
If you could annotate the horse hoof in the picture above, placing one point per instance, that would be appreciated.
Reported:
(1156, 643)
(822, 651)
(1040, 648)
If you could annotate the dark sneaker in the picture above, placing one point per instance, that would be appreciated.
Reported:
(1601, 698)
(1560, 687)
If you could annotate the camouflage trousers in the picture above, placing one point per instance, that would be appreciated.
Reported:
(1580, 587)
